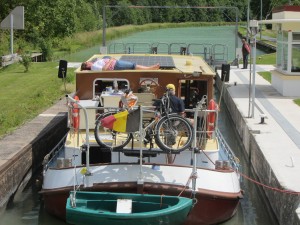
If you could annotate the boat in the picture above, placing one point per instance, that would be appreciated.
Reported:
(207, 171)
(108, 208)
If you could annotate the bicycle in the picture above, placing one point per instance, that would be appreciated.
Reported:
(172, 133)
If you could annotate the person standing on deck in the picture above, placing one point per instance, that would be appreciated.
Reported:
(245, 52)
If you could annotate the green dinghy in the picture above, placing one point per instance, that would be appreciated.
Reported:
(108, 208)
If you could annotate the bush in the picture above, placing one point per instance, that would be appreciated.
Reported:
(46, 48)
(26, 60)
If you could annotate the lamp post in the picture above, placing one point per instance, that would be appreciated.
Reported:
(253, 27)
(260, 25)
(248, 16)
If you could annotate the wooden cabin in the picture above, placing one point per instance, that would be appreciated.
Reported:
(191, 75)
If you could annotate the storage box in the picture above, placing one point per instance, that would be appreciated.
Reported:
(91, 114)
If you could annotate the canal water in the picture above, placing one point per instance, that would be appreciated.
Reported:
(27, 207)
(224, 35)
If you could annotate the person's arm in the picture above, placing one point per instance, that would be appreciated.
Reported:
(108, 65)
(105, 67)
(247, 47)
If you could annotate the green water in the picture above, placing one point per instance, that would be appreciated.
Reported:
(190, 35)
(223, 35)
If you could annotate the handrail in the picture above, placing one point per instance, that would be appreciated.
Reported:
(134, 46)
(88, 173)
(210, 52)
(223, 144)
(51, 155)
(228, 151)
(203, 50)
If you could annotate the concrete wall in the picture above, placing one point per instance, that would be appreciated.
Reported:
(283, 205)
(22, 153)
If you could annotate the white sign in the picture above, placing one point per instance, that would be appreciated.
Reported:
(14, 20)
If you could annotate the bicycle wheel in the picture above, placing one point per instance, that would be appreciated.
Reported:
(173, 134)
(109, 138)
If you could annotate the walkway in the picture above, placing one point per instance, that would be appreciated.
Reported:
(273, 146)
(279, 136)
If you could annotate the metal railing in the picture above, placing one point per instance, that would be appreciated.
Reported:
(213, 54)
(234, 161)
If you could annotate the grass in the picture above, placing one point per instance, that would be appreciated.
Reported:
(24, 95)
(268, 59)
(266, 76)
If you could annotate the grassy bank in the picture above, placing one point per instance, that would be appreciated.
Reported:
(24, 95)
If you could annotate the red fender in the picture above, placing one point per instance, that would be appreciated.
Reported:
(211, 117)
(75, 114)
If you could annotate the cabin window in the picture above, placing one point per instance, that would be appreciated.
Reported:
(102, 84)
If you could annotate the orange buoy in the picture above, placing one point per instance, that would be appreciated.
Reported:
(211, 117)
(75, 114)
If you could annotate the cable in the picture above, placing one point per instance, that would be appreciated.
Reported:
(267, 186)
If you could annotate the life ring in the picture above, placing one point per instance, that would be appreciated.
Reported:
(75, 114)
(211, 117)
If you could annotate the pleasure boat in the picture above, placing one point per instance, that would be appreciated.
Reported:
(207, 171)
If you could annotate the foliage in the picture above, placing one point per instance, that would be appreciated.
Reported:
(26, 61)
(46, 48)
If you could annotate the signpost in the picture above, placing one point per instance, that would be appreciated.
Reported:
(15, 20)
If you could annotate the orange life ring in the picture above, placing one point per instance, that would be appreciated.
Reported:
(75, 114)
(211, 117)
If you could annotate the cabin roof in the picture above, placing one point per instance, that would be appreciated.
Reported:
(182, 64)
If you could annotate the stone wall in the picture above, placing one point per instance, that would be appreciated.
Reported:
(284, 205)
(22, 153)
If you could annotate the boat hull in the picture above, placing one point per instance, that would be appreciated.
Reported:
(211, 207)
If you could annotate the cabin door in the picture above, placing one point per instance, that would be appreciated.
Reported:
(192, 91)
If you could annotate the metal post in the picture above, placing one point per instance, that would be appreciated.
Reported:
(236, 31)
(253, 76)
(248, 18)
(140, 180)
(260, 26)
(104, 28)
(11, 34)
(254, 26)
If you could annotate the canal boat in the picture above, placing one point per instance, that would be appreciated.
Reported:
(206, 171)
(108, 208)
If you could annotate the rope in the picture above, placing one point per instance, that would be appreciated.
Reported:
(267, 186)
(161, 198)
(187, 183)
(248, 178)
(261, 184)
